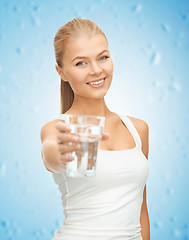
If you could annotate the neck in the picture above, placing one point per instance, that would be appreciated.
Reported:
(88, 106)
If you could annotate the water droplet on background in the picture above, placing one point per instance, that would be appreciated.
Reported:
(184, 16)
(174, 85)
(173, 219)
(157, 83)
(185, 237)
(178, 44)
(57, 223)
(185, 226)
(155, 59)
(15, 8)
(17, 165)
(20, 50)
(181, 35)
(170, 191)
(165, 27)
(137, 8)
(27, 191)
(176, 233)
(91, 8)
(3, 169)
(2, 37)
(35, 8)
(35, 109)
(35, 20)
(4, 224)
(167, 175)
(21, 24)
(157, 224)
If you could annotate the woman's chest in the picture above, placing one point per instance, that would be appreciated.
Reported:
(120, 137)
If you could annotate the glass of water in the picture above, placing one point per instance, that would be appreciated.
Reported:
(89, 128)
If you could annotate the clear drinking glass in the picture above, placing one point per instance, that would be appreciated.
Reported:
(89, 128)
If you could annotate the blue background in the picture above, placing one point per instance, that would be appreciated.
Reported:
(149, 43)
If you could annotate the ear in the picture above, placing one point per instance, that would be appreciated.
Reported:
(61, 73)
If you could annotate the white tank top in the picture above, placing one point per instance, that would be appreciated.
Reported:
(107, 206)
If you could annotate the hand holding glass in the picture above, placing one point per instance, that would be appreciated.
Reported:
(89, 128)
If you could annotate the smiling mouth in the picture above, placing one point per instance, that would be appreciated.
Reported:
(96, 82)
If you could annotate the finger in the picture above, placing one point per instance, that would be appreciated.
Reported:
(65, 148)
(65, 137)
(63, 127)
(105, 136)
(64, 158)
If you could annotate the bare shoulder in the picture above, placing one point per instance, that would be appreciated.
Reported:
(140, 124)
(143, 131)
(49, 131)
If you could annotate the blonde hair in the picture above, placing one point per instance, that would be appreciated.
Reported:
(71, 29)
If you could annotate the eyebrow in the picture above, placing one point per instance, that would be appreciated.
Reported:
(80, 57)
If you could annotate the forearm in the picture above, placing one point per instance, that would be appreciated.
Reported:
(51, 157)
(145, 226)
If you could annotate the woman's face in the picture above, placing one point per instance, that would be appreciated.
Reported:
(87, 59)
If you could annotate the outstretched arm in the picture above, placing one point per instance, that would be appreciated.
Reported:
(144, 218)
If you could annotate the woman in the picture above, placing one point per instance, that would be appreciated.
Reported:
(112, 205)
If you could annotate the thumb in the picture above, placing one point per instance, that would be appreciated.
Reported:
(105, 136)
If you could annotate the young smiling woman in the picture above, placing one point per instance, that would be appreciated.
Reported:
(111, 205)
(87, 61)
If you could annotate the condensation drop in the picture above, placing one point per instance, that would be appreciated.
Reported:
(177, 44)
(152, 46)
(4, 224)
(17, 165)
(21, 25)
(1, 69)
(77, 14)
(169, 191)
(27, 191)
(167, 175)
(173, 219)
(137, 8)
(185, 226)
(57, 223)
(52, 231)
(165, 27)
(91, 8)
(185, 237)
(20, 50)
(181, 35)
(184, 16)
(8, 119)
(177, 233)
(2, 37)
(15, 8)
(157, 224)
(35, 109)
(35, 20)
(155, 59)
(3, 169)
(158, 83)
(35, 8)
(177, 86)
(174, 85)
(185, 156)
(34, 233)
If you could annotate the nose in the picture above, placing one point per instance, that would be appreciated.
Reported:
(95, 69)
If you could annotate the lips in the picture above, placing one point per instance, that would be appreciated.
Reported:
(96, 80)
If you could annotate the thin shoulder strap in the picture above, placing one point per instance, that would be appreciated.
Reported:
(60, 116)
(132, 130)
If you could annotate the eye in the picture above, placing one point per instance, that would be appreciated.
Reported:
(79, 64)
(104, 57)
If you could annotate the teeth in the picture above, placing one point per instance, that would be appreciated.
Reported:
(96, 83)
